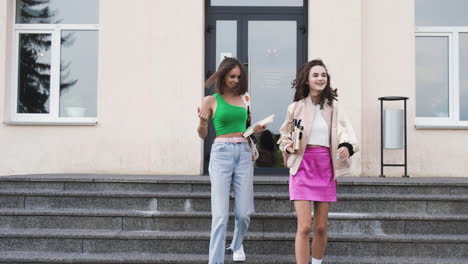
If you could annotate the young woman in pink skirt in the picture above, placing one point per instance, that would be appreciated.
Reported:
(317, 140)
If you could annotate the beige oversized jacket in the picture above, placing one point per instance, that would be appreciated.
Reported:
(341, 132)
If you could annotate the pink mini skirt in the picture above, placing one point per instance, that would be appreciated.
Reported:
(314, 178)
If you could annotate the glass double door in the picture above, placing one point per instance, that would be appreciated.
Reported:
(272, 47)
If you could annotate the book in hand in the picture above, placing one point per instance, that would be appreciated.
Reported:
(265, 122)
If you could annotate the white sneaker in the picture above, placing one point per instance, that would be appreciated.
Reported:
(239, 255)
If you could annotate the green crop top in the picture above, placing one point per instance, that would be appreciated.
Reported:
(228, 118)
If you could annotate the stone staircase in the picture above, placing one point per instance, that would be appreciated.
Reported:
(166, 219)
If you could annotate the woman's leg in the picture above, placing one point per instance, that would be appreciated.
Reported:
(243, 193)
(319, 242)
(304, 227)
(220, 169)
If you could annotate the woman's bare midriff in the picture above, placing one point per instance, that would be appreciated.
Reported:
(231, 135)
(313, 145)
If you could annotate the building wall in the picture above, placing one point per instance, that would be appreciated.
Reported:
(150, 83)
(389, 69)
(3, 53)
(151, 80)
(368, 47)
(335, 30)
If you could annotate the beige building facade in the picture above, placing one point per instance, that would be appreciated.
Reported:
(150, 74)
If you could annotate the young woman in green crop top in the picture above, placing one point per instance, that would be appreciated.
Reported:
(230, 159)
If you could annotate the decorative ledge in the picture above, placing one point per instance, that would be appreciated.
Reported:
(440, 127)
(49, 123)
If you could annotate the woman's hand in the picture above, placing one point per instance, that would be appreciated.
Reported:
(343, 153)
(258, 129)
(204, 116)
(290, 149)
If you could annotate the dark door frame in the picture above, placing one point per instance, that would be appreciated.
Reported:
(243, 15)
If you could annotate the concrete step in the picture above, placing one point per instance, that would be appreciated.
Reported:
(134, 258)
(150, 183)
(159, 219)
(378, 224)
(147, 258)
(273, 184)
(261, 222)
(391, 260)
(200, 202)
(103, 242)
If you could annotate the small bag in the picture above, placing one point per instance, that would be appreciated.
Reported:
(253, 147)
(252, 141)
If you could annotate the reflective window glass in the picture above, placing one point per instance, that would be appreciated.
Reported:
(441, 12)
(226, 40)
(432, 77)
(57, 12)
(79, 72)
(463, 76)
(34, 60)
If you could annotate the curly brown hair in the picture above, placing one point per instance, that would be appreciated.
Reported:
(224, 68)
(302, 87)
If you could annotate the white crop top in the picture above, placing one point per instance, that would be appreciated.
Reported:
(319, 134)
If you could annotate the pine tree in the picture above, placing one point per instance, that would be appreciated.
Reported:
(34, 74)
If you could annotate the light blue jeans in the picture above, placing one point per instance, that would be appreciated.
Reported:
(229, 163)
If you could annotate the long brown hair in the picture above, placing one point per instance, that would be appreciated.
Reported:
(224, 68)
(302, 87)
